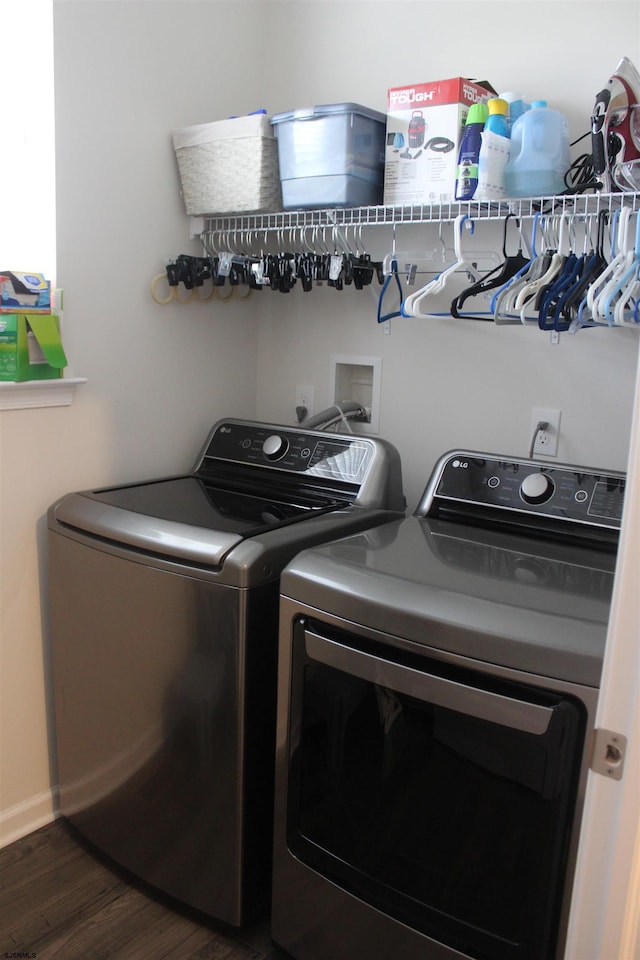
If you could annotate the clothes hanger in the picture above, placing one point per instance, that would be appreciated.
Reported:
(391, 276)
(411, 306)
(591, 306)
(594, 265)
(551, 300)
(618, 293)
(412, 263)
(584, 316)
(503, 302)
(550, 311)
(617, 269)
(448, 257)
(528, 296)
(511, 265)
(627, 308)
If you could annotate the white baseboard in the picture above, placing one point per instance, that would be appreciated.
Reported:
(25, 817)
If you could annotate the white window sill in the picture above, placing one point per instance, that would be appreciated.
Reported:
(38, 393)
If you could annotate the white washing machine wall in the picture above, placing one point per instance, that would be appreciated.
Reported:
(438, 680)
(164, 612)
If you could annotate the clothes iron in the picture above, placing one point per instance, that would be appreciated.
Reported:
(615, 131)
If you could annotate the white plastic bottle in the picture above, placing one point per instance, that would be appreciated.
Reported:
(495, 151)
(517, 106)
(540, 154)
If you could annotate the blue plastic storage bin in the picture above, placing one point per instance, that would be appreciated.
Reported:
(330, 156)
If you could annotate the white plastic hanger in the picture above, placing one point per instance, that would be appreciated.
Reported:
(616, 296)
(412, 305)
(609, 276)
(503, 303)
(530, 291)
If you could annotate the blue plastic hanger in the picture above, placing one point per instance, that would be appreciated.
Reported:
(392, 276)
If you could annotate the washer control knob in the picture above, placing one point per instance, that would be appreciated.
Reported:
(536, 488)
(274, 447)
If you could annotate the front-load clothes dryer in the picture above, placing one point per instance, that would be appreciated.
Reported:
(438, 682)
(164, 610)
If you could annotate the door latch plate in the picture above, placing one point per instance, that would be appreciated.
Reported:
(609, 753)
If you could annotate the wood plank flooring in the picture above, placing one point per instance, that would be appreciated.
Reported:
(60, 900)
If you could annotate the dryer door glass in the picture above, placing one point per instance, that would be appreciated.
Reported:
(441, 797)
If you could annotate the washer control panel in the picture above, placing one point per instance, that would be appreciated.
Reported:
(472, 482)
(299, 452)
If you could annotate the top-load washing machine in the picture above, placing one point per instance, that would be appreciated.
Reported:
(164, 609)
(438, 682)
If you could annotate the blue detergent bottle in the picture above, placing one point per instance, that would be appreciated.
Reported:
(540, 153)
(467, 169)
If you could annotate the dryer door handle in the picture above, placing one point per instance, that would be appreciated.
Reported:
(472, 701)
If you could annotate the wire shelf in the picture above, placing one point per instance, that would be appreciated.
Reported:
(574, 205)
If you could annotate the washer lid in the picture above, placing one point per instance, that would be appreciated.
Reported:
(180, 516)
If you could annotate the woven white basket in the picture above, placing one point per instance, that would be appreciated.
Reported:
(229, 166)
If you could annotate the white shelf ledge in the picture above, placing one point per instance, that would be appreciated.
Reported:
(521, 208)
(38, 393)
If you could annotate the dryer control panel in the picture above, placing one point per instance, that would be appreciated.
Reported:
(477, 485)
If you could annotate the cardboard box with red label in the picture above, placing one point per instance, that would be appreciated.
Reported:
(424, 128)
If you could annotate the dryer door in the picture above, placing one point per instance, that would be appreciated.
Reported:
(441, 797)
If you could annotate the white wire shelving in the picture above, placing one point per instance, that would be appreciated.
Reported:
(574, 205)
(322, 236)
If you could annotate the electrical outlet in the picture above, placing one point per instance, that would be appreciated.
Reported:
(305, 395)
(544, 443)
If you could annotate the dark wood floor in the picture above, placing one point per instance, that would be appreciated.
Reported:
(60, 900)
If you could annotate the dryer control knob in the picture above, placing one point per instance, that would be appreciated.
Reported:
(536, 488)
(274, 447)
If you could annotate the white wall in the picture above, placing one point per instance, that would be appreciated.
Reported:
(452, 383)
(444, 383)
(27, 241)
(608, 867)
(158, 376)
(126, 74)
(455, 384)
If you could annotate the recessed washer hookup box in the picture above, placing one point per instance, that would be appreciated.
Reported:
(423, 133)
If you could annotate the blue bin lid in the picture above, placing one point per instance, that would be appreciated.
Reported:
(328, 109)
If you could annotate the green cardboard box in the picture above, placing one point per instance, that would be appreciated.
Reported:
(30, 347)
